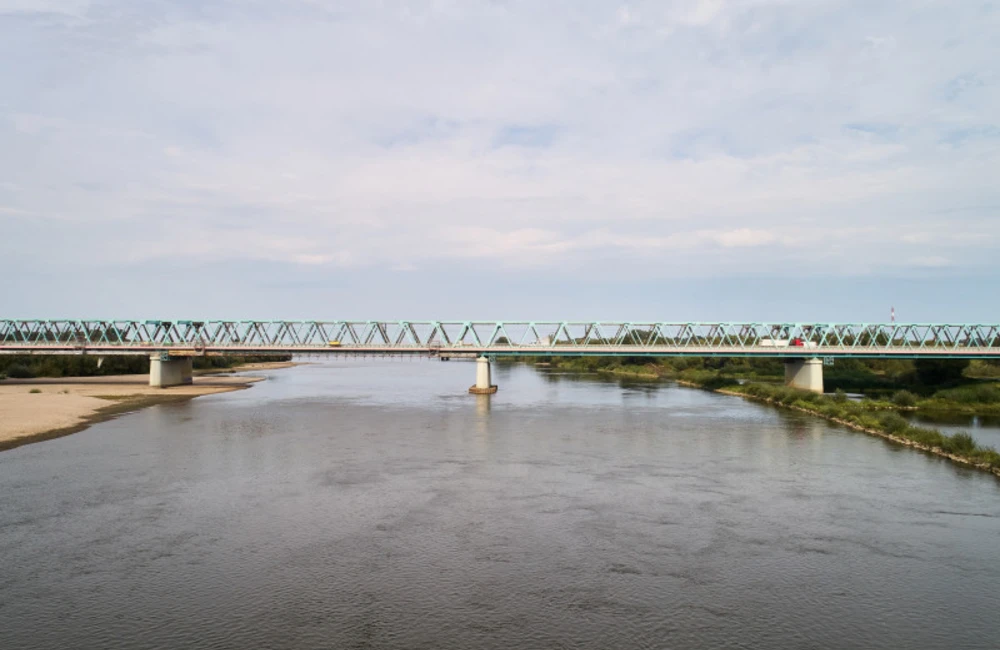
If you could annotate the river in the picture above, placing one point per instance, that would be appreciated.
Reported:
(374, 504)
(984, 429)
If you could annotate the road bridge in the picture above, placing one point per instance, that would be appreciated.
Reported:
(172, 343)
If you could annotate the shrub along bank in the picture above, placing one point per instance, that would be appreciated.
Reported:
(877, 417)
(890, 386)
(933, 385)
(639, 367)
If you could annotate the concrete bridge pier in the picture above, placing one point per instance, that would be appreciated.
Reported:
(483, 385)
(165, 370)
(804, 374)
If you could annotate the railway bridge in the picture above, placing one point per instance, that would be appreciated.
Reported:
(172, 344)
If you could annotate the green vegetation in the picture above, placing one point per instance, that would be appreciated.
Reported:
(887, 386)
(978, 398)
(937, 372)
(667, 368)
(35, 390)
(920, 378)
(870, 415)
(973, 394)
(30, 366)
(931, 385)
(983, 369)
(19, 371)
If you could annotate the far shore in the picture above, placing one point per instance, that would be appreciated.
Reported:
(250, 367)
(32, 410)
(930, 449)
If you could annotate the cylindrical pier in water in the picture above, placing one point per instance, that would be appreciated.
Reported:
(482, 385)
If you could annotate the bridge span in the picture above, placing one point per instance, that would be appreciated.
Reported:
(172, 343)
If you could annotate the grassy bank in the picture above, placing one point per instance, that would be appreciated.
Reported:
(900, 388)
(874, 417)
(959, 387)
(979, 399)
(624, 367)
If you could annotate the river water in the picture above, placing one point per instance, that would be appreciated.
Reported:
(374, 504)
(984, 429)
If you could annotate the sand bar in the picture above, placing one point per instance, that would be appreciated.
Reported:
(68, 404)
(263, 365)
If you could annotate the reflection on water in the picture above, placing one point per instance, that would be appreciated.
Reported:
(985, 429)
(375, 504)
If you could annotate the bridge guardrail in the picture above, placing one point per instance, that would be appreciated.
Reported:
(529, 337)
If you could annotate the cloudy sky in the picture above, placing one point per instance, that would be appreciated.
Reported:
(670, 159)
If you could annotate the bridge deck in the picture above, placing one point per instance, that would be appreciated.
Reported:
(509, 351)
(500, 338)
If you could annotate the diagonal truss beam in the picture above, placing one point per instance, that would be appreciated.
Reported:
(501, 337)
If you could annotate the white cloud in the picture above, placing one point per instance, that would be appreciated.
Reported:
(933, 262)
(626, 16)
(67, 7)
(37, 124)
(704, 12)
(745, 134)
(744, 237)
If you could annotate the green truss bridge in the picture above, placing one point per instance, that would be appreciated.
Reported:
(172, 343)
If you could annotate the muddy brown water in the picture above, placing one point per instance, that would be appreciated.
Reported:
(374, 504)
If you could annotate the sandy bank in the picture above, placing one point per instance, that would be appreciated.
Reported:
(263, 365)
(66, 405)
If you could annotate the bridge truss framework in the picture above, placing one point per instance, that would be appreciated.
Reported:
(498, 338)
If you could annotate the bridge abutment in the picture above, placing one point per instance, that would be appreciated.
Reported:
(804, 374)
(165, 371)
(483, 385)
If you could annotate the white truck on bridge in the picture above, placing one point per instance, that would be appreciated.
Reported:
(786, 343)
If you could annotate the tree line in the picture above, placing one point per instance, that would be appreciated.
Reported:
(31, 366)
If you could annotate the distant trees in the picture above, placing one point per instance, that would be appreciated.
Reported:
(29, 366)
(936, 372)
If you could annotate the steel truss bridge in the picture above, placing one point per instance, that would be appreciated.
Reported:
(182, 338)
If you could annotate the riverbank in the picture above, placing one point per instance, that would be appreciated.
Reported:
(32, 410)
(635, 372)
(250, 367)
(880, 417)
(959, 448)
(643, 372)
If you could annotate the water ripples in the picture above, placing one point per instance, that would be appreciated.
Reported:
(293, 515)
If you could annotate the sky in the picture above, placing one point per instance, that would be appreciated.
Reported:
(671, 160)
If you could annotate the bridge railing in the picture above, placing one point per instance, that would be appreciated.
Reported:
(499, 335)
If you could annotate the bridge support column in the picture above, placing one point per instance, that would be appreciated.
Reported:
(804, 374)
(165, 371)
(483, 385)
